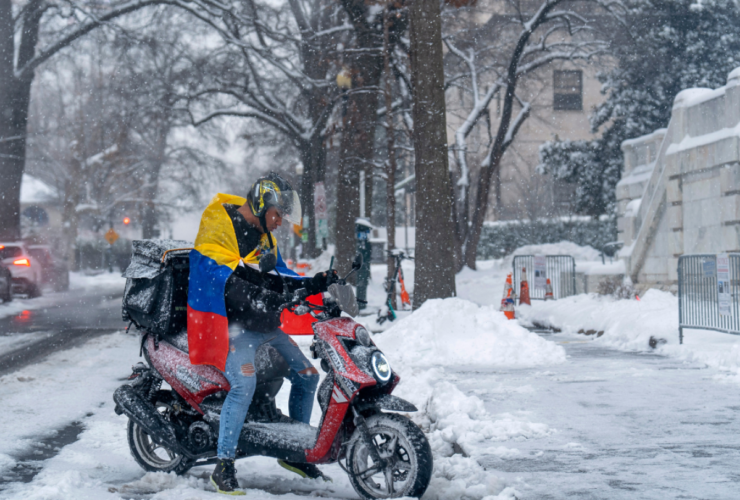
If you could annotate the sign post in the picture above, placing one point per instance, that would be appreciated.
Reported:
(321, 215)
(111, 236)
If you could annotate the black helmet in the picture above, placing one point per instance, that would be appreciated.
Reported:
(274, 191)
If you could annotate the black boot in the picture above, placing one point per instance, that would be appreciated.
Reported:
(224, 478)
(304, 470)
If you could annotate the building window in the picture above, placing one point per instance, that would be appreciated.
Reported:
(567, 90)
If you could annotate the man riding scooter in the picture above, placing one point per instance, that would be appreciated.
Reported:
(233, 309)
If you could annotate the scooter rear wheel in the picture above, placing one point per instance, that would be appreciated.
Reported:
(151, 456)
(407, 454)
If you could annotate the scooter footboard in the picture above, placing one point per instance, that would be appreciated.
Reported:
(285, 440)
(142, 412)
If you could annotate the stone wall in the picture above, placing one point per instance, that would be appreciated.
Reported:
(680, 189)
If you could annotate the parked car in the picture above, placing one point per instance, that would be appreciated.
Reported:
(6, 284)
(54, 271)
(25, 271)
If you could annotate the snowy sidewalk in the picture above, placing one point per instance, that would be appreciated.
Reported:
(624, 425)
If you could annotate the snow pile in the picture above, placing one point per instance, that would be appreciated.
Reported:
(627, 324)
(456, 332)
(451, 333)
(460, 430)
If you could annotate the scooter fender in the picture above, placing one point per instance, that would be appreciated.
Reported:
(385, 402)
(146, 415)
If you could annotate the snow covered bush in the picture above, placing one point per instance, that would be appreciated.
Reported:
(502, 238)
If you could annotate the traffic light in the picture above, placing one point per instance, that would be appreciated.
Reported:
(126, 221)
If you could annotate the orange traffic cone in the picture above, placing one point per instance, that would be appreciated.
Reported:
(508, 300)
(524, 289)
(548, 291)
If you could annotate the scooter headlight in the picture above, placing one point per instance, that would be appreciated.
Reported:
(362, 336)
(381, 367)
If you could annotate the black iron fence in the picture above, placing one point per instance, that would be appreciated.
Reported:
(560, 269)
(708, 293)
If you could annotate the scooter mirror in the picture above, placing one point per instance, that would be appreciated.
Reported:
(268, 263)
(357, 263)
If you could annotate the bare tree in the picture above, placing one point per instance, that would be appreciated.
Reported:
(279, 67)
(31, 32)
(118, 118)
(525, 43)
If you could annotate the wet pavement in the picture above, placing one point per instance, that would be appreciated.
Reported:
(624, 425)
(69, 320)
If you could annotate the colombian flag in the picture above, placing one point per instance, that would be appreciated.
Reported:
(214, 258)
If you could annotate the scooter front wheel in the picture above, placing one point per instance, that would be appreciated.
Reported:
(151, 456)
(405, 451)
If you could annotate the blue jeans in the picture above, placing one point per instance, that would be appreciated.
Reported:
(241, 374)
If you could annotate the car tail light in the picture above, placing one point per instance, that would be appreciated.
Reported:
(22, 262)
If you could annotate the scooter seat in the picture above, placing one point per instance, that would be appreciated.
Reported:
(270, 364)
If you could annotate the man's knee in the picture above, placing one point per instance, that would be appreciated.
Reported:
(244, 381)
(247, 369)
(309, 377)
(309, 371)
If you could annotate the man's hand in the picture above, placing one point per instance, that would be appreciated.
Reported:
(321, 281)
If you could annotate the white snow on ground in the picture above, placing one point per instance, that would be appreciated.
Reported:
(431, 350)
(455, 332)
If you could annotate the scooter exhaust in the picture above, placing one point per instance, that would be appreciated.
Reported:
(142, 412)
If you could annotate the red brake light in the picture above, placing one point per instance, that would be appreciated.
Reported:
(2, 246)
(22, 262)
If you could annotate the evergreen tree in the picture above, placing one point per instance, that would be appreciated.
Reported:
(668, 46)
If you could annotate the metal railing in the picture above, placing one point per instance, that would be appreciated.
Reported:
(561, 269)
(698, 295)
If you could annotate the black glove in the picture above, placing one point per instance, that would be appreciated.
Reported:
(320, 282)
(331, 277)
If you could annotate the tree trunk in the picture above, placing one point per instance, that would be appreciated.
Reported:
(313, 157)
(14, 101)
(356, 151)
(435, 254)
(390, 196)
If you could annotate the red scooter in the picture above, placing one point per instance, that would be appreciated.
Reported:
(384, 454)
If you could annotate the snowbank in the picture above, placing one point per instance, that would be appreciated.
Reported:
(456, 332)
(629, 325)
(425, 348)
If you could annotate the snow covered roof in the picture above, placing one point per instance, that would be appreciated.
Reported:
(34, 190)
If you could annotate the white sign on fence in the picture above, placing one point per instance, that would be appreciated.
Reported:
(540, 271)
(723, 285)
